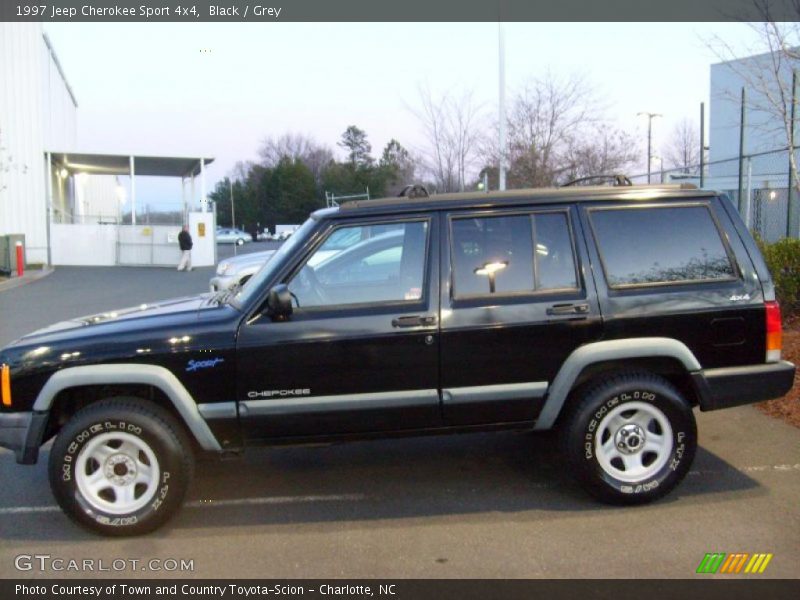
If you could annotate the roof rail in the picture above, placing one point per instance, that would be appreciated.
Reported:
(616, 179)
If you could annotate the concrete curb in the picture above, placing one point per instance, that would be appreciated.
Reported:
(28, 278)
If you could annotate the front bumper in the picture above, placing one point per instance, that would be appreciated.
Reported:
(734, 386)
(22, 432)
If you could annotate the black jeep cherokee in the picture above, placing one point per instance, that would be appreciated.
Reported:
(608, 312)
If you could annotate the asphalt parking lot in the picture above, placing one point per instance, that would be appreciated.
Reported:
(478, 505)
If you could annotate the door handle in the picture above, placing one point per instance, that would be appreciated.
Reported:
(568, 309)
(414, 321)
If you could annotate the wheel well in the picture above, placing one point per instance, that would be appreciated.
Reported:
(669, 368)
(69, 401)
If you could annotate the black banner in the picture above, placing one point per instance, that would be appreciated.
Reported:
(404, 10)
(408, 589)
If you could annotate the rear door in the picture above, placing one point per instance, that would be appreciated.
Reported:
(517, 299)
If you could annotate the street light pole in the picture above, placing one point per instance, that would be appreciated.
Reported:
(233, 213)
(501, 41)
(650, 116)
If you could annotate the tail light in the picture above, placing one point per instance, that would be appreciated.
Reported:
(774, 331)
(5, 384)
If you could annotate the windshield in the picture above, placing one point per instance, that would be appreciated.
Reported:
(253, 287)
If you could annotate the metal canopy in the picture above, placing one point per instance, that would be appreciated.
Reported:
(119, 164)
(69, 164)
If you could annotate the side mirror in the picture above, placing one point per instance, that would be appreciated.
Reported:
(279, 301)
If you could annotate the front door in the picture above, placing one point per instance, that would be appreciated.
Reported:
(360, 351)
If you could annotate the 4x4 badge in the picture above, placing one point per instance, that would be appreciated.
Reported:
(736, 297)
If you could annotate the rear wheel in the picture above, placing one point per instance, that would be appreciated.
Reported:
(239, 242)
(630, 439)
(121, 466)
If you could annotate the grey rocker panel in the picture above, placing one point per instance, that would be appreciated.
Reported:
(127, 374)
(603, 351)
(343, 402)
(500, 392)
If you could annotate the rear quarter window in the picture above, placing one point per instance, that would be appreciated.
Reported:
(660, 245)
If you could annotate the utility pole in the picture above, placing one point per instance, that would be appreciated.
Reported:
(650, 116)
(790, 196)
(702, 144)
(742, 126)
(233, 213)
(502, 106)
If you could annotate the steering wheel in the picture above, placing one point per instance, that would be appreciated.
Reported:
(308, 284)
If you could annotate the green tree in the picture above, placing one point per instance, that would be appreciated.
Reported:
(354, 140)
(247, 209)
(288, 192)
(398, 167)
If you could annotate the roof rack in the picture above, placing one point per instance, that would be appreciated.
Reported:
(616, 179)
(414, 191)
(572, 193)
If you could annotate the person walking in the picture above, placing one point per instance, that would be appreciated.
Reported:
(185, 242)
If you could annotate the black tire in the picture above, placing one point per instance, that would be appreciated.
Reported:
(628, 409)
(240, 242)
(150, 432)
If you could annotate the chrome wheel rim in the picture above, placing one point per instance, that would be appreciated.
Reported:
(117, 473)
(634, 441)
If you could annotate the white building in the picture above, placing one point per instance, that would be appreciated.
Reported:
(38, 110)
(765, 169)
(68, 204)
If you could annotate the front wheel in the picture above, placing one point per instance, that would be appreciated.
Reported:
(630, 439)
(240, 242)
(121, 466)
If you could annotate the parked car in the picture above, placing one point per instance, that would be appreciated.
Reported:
(609, 314)
(238, 269)
(233, 236)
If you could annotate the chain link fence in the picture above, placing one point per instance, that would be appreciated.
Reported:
(757, 184)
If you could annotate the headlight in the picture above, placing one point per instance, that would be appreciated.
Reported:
(222, 268)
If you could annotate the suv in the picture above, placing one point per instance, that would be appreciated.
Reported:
(609, 313)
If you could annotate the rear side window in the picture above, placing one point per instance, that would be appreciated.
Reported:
(512, 254)
(660, 245)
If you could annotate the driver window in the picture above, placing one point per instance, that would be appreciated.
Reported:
(364, 264)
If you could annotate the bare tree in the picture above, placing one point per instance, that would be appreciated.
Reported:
(296, 146)
(241, 170)
(465, 133)
(544, 123)
(603, 151)
(557, 132)
(682, 151)
(452, 128)
(289, 145)
(317, 160)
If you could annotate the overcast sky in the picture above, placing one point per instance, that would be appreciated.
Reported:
(218, 89)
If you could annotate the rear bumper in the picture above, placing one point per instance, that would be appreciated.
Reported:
(734, 386)
(22, 432)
